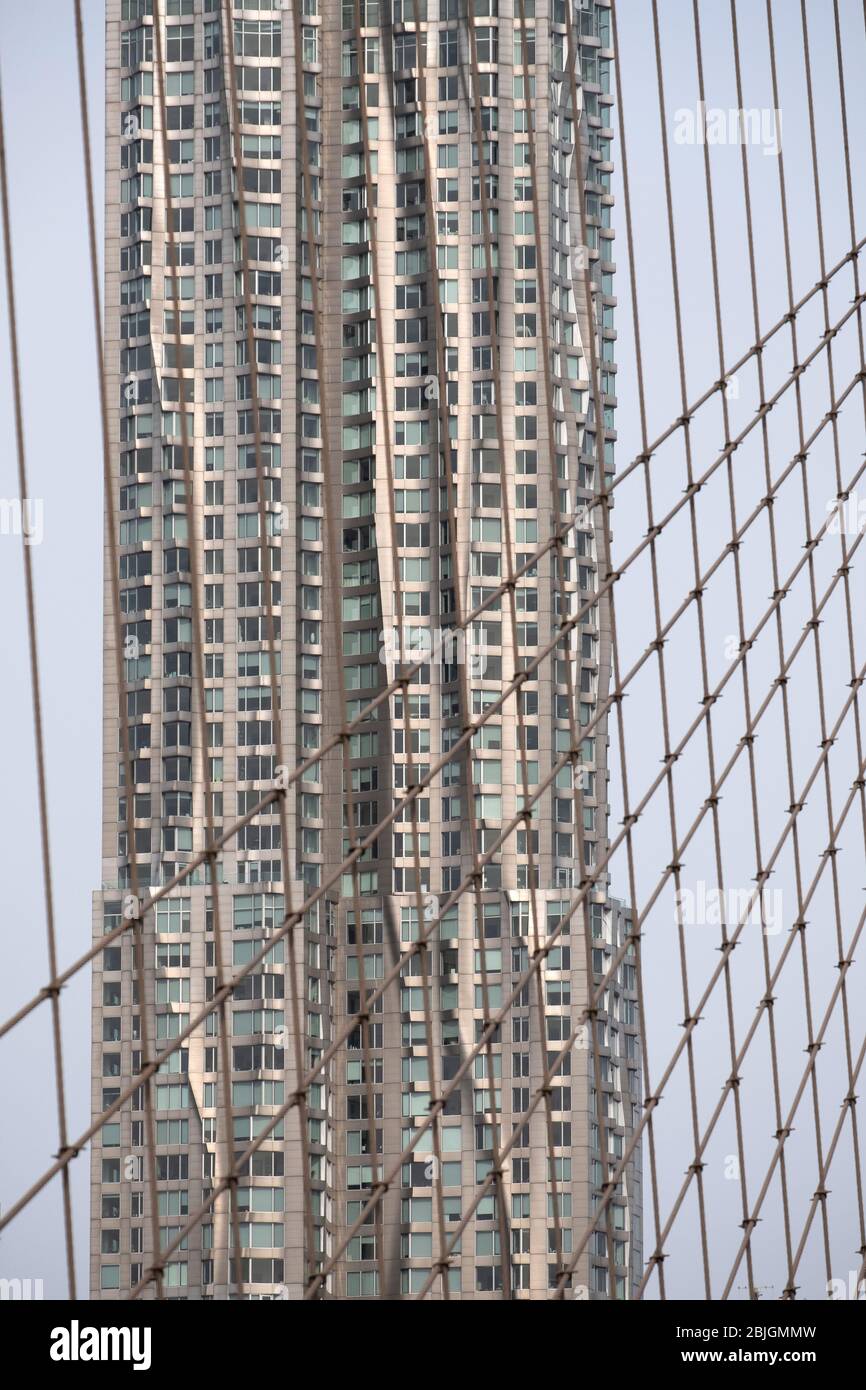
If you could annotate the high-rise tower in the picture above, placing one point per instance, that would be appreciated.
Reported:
(367, 248)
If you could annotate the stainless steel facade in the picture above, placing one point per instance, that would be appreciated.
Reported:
(357, 377)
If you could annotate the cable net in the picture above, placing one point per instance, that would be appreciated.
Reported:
(717, 571)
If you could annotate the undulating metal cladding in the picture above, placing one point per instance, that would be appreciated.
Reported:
(360, 362)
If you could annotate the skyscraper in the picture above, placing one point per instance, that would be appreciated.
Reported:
(349, 360)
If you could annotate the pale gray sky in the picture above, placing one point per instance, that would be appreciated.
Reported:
(43, 138)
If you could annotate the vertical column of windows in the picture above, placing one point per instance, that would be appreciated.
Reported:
(311, 609)
(257, 47)
(138, 492)
(310, 475)
(490, 468)
(310, 511)
(361, 611)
